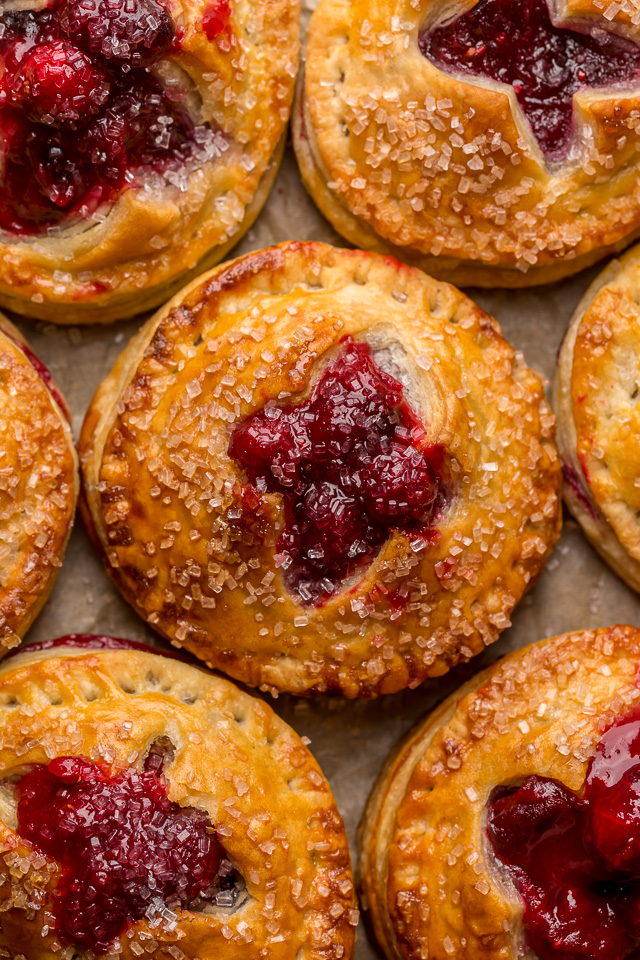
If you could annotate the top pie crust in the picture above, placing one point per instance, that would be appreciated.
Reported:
(445, 173)
(234, 759)
(164, 498)
(38, 486)
(596, 400)
(157, 235)
(432, 885)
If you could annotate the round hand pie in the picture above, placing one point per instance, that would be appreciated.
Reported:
(507, 824)
(596, 401)
(38, 484)
(488, 143)
(148, 809)
(320, 470)
(138, 141)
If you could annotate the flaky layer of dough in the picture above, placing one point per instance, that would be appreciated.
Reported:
(166, 504)
(163, 230)
(232, 757)
(445, 172)
(596, 394)
(39, 486)
(432, 886)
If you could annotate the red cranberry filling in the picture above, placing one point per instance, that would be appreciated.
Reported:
(80, 112)
(91, 641)
(123, 847)
(516, 43)
(351, 463)
(216, 18)
(576, 857)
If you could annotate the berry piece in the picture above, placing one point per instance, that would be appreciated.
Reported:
(520, 818)
(136, 32)
(348, 466)
(614, 825)
(121, 844)
(57, 82)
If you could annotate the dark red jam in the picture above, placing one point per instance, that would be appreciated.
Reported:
(575, 858)
(124, 849)
(81, 114)
(351, 462)
(515, 42)
(216, 18)
(572, 480)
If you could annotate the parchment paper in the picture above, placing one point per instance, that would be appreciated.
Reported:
(349, 739)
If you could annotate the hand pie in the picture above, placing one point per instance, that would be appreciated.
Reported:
(489, 143)
(321, 471)
(507, 824)
(149, 809)
(140, 139)
(38, 484)
(596, 402)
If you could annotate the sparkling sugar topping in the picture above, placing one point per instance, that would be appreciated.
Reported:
(576, 857)
(517, 43)
(122, 846)
(80, 110)
(351, 463)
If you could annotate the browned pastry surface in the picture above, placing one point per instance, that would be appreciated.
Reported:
(166, 501)
(38, 487)
(233, 758)
(432, 885)
(162, 231)
(596, 402)
(445, 172)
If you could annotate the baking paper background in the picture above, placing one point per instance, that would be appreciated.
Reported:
(350, 739)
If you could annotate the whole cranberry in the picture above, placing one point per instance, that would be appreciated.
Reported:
(397, 486)
(521, 817)
(59, 83)
(613, 828)
(135, 32)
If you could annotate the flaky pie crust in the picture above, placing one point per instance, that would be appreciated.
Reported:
(445, 172)
(165, 503)
(160, 233)
(234, 759)
(596, 393)
(39, 486)
(430, 881)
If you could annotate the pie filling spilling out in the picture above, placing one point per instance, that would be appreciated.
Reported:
(92, 641)
(517, 43)
(124, 850)
(575, 857)
(352, 464)
(82, 111)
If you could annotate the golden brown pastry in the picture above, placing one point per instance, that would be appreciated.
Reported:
(321, 471)
(489, 143)
(507, 824)
(149, 809)
(595, 399)
(38, 484)
(140, 139)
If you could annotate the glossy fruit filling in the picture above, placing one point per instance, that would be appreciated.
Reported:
(351, 463)
(575, 858)
(124, 849)
(81, 113)
(515, 42)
